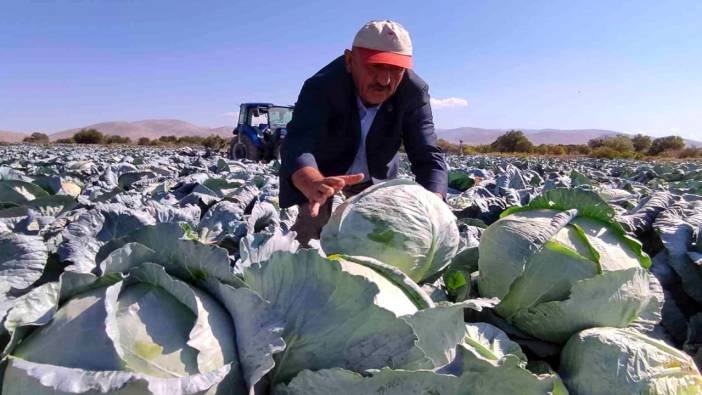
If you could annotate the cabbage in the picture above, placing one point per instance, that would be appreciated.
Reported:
(164, 316)
(396, 292)
(334, 317)
(610, 361)
(562, 264)
(397, 222)
(485, 362)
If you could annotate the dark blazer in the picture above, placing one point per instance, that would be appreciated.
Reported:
(325, 132)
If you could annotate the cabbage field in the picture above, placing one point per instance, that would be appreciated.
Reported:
(135, 270)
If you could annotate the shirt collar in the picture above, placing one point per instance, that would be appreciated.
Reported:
(362, 109)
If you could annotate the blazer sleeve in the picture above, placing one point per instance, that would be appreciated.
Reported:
(310, 117)
(426, 159)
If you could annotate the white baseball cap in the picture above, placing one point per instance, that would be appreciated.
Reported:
(384, 42)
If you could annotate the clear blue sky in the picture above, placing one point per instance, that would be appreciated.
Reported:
(631, 66)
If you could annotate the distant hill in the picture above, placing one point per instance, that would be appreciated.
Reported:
(151, 128)
(155, 128)
(475, 136)
(11, 137)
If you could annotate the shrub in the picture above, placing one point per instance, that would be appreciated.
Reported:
(168, 140)
(113, 139)
(619, 143)
(143, 141)
(610, 153)
(469, 150)
(190, 140)
(554, 149)
(666, 143)
(690, 153)
(550, 149)
(214, 142)
(89, 136)
(641, 142)
(39, 138)
(541, 149)
(576, 149)
(484, 148)
(512, 141)
(583, 149)
(68, 140)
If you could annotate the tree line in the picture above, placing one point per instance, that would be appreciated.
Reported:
(94, 136)
(514, 142)
(611, 147)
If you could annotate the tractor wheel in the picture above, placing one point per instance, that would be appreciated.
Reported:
(245, 149)
(232, 148)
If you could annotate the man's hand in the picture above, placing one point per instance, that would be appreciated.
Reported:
(317, 188)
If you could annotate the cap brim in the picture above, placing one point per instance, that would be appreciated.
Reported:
(371, 56)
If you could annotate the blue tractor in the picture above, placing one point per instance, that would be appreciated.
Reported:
(260, 131)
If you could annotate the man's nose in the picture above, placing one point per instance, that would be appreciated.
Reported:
(383, 77)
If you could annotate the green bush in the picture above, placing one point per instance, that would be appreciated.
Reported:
(190, 140)
(68, 140)
(143, 141)
(168, 140)
(469, 150)
(550, 149)
(214, 142)
(37, 138)
(512, 141)
(88, 136)
(641, 142)
(610, 153)
(619, 143)
(690, 153)
(113, 139)
(576, 149)
(484, 148)
(666, 144)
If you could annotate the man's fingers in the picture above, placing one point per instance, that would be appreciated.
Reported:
(338, 182)
(320, 197)
(326, 191)
(334, 182)
(352, 178)
(314, 209)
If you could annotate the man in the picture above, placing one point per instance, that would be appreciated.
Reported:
(349, 122)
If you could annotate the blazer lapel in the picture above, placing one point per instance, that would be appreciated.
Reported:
(354, 119)
(382, 125)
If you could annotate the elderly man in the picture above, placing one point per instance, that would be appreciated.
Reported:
(349, 122)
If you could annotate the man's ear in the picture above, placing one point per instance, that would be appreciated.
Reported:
(347, 60)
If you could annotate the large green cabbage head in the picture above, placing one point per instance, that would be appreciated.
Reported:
(606, 361)
(167, 319)
(563, 264)
(397, 222)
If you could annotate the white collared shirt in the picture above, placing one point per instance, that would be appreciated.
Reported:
(366, 115)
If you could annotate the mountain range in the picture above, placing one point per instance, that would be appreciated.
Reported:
(151, 128)
(474, 136)
(12, 137)
(155, 128)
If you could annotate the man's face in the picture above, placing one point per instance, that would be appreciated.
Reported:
(375, 83)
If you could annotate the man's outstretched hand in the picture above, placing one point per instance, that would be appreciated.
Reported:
(318, 189)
